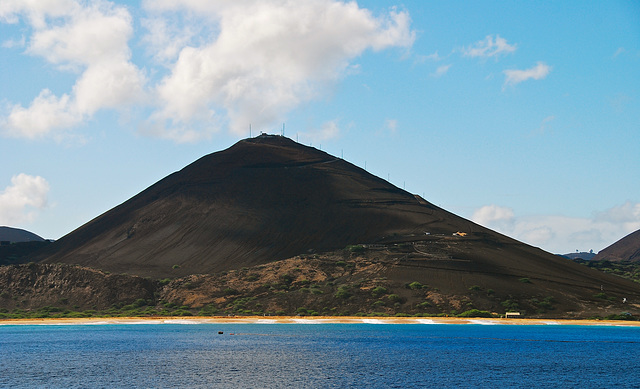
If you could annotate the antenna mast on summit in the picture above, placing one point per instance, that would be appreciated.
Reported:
(249, 130)
(282, 129)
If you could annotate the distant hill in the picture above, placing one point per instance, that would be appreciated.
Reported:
(581, 255)
(626, 249)
(13, 235)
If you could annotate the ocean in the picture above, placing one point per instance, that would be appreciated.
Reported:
(318, 356)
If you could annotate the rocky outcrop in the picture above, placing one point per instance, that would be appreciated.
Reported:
(36, 285)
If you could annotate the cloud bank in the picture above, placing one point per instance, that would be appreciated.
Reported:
(20, 201)
(220, 64)
(554, 233)
(265, 58)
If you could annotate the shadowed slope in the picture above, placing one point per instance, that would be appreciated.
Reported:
(263, 199)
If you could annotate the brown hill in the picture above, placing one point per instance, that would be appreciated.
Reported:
(268, 202)
(626, 249)
(263, 199)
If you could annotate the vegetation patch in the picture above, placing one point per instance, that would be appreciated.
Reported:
(475, 313)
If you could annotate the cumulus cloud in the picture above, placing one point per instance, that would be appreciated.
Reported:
(538, 72)
(89, 39)
(263, 58)
(218, 64)
(489, 47)
(20, 200)
(627, 215)
(492, 213)
(563, 234)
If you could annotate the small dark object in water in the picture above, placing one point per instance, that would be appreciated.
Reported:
(220, 332)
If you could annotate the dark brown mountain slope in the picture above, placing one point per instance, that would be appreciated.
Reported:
(268, 198)
(626, 249)
(263, 199)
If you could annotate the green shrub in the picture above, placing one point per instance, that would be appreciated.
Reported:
(230, 291)
(343, 292)
(510, 305)
(621, 316)
(140, 303)
(474, 288)
(175, 267)
(358, 249)
(525, 280)
(475, 313)
(394, 298)
(415, 285)
(379, 291)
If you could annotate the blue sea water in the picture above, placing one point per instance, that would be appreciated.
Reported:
(317, 356)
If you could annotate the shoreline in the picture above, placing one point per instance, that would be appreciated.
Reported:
(310, 320)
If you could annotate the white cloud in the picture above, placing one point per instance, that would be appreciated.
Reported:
(562, 234)
(20, 200)
(263, 58)
(46, 113)
(441, 70)
(626, 215)
(86, 38)
(489, 47)
(227, 63)
(538, 72)
(492, 213)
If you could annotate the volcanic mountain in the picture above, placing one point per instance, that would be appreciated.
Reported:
(626, 249)
(263, 199)
(273, 210)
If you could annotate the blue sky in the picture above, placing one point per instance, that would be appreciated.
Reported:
(522, 116)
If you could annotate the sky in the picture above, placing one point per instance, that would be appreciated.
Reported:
(521, 116)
